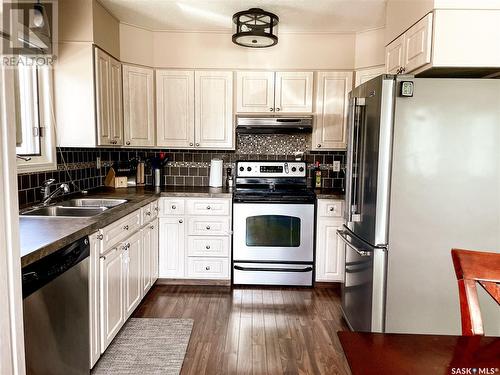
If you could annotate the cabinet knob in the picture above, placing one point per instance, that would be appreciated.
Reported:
(128, 143)
(278, 109)
(271, 109)
(197, 145)
(318, 145)
(174, 207)
(156, 209)
(125, 227)
(207, 247)
(208, 227)
(100, 236)
(181, 221)
(207, 268)
(331, 208)
(148, 213)
(208, 207)
(191, 143)
(152, 227)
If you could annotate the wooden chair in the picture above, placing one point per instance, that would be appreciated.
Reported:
(472, 267)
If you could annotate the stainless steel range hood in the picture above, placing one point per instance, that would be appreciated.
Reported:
(273, 124)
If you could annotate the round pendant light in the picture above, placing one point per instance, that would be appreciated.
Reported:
(255, 28)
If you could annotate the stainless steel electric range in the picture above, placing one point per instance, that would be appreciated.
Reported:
(273, 224)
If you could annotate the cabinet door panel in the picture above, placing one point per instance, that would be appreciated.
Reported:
(175, 108)
(102, 92)
(364, 75)
(146, 259)
(112, 294)
(138, 102)
(418, 41)
(94, 277)
(214, 110)
(331, 110)
(293, 92)
(171, 247)
(116, 110)
(154, 251)
(133, 280)
(394, 54)
(329, 251)
(254, 92)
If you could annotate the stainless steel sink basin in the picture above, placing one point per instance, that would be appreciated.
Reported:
(93, 202)
(65, 211)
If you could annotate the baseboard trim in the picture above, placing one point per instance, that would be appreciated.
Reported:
(193, 282)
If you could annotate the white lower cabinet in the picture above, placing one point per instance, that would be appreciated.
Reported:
(133, 282)
(121, 276)
(112, 293)
(196, 244)
(330, 261)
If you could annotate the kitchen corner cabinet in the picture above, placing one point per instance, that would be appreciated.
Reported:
(195, 109)
(332, 102)
(274, 92)
(330, 256)
(138, 106)
(108, 97)
(364, 75)
(412, 49)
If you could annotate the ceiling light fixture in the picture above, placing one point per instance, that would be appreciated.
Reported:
(255, 28)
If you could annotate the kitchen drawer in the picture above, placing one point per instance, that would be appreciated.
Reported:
(120, 230)
(208, 268)
(155, 209)
(330, 208)
(171, 206)
(213, 206)
(208, 246)
(208, 225)
(149, 212)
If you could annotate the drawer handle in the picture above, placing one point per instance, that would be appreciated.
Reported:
(180, 221)
(208, 227)
(125, 227)
(208, 207)
(207, 247)
(207, 268)
(331, 208)
(173, 207)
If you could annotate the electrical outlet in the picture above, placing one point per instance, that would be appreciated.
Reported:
(98, 162)
(336, 166)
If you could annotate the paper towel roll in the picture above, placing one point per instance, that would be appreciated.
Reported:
(216, 173)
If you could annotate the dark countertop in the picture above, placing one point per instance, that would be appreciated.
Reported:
(41, 236)
(329, 194)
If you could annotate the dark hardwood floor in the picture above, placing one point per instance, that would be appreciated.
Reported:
(255, 330)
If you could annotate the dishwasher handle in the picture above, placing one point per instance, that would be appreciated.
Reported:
(38, 274)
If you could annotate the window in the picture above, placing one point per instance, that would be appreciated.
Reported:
(35, 141)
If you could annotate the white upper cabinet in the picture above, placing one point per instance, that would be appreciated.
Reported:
(418, 42)
(108, 95)
(412, 50)
(364, 75)
(278, 92)
(293, 92)
(255, 91)
(214, 109)
(138, 106)
(394, 55)
(332, 103)
(175, 108)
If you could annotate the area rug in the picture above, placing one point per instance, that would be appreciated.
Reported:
(147, 347)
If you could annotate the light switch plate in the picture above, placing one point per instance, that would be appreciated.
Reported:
(336, 166)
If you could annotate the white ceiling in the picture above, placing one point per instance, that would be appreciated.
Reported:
(333, 16)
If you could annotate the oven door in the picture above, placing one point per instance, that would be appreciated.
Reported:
(273, 232)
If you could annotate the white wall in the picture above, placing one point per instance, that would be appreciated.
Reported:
(401, 14)
(216, 50)
(369, 49)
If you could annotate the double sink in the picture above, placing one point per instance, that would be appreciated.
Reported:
(81, 207)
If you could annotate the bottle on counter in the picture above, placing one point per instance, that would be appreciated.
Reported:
(317, 175)
(229, 180)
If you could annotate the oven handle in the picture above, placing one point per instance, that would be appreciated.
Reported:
(306, 269)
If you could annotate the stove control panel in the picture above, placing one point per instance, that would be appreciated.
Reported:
(271, 169)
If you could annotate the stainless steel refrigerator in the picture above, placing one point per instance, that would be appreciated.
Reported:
(423, 177)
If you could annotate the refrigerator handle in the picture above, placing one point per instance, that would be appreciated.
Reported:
(350, 145)
(343, 236)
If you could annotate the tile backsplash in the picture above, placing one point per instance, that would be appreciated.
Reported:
(185, 167)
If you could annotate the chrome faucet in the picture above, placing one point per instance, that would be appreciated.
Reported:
(47, 195)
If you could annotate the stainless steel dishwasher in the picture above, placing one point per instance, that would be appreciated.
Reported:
(56, 312)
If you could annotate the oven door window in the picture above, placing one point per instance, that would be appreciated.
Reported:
(273, 231)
